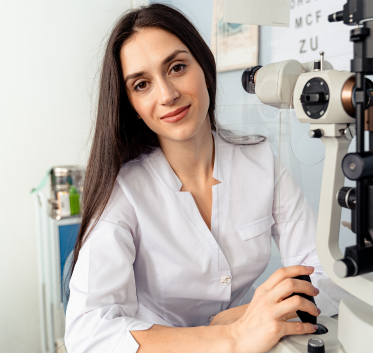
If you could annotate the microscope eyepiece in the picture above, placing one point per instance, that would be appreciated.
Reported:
(248, 79)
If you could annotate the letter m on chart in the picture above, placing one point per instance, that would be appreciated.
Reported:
(298, 22)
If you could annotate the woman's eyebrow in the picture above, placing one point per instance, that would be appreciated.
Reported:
(131, 76)
(165, 61)
(173, 56)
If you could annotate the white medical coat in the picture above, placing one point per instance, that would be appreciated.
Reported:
(151, 259)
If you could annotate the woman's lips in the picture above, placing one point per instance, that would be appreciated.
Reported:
(178, 116)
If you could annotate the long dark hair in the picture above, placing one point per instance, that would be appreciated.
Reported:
(119, 136)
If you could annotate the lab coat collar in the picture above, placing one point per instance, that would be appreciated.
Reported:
(221, 164)
(223, 158)
(161, 165)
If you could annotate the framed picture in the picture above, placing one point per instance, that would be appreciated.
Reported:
(235, 46)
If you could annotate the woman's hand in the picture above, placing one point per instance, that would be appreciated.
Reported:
(230, 316)
(264, 322)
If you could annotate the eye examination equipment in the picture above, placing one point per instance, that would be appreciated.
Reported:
(337, 105)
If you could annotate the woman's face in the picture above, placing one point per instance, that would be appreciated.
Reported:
(165, 84)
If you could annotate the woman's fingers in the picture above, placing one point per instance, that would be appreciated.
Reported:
(289, 286)
(296, 303)
(283, 273)
(297, 328)
(290, 316)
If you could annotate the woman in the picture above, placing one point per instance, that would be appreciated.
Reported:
(158, 257)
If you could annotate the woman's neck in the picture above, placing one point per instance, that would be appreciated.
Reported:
(192, 160)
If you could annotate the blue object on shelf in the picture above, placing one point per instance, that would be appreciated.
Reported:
(68, 234)
(66, 281)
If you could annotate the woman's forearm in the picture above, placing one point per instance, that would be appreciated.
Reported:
(257, 330)
(229, 316)
(164, 339)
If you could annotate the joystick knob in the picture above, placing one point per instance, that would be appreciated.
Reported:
(304, 316)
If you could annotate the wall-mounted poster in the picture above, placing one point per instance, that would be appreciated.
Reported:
(234, 45)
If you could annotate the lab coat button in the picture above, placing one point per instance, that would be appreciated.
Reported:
(226, 280)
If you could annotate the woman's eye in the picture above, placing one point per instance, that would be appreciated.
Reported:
(140, 86)
(178, 68)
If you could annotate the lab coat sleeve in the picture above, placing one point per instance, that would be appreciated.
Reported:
(294, 231)
(103, 301)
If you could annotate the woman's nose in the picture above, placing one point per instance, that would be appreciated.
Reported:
(167, 93)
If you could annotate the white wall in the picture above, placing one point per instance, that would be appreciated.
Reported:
(49, 57)
(198, 11)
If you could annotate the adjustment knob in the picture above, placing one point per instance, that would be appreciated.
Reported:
(346, 197)
(316, 345)
(358, 166)
(315, 133)
(346, 267)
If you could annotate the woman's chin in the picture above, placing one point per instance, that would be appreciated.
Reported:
(181, 133)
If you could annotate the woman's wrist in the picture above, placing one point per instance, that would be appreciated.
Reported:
(226, 339)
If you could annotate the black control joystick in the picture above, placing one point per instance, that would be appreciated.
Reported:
(304, 316)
